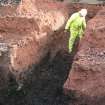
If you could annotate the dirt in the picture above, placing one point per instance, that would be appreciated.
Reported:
(36, 52)
(23, 36)
(86, 78)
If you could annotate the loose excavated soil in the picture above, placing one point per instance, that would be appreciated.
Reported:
(87, 76)
(35, 52)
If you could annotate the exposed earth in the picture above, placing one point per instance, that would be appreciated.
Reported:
(34, 55)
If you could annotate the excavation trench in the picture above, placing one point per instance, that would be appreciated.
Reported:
(34, 53)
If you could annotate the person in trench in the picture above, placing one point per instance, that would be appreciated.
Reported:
(76, 25)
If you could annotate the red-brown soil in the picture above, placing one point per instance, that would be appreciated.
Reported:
(87, 75)
(36, 52)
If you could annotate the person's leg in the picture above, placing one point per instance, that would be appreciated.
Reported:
(72, 40)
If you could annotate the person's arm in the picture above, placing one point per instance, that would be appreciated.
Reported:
(81, 33)
(70, 20)
(84, 24)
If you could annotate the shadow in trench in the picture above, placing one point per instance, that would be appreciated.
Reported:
(52, 76)
(44, 85)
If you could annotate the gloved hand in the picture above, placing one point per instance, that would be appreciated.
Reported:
(65, 31)
(80, 36)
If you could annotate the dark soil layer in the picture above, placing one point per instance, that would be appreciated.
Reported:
(45, 88)
(44, 82)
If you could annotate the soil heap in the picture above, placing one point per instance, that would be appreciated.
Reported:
(87, 76)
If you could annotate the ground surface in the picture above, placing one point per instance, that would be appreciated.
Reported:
(46, 81)
(44, 89)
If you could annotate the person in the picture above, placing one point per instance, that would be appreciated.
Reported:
(76, 25)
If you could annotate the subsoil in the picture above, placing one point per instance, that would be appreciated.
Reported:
(46, 88)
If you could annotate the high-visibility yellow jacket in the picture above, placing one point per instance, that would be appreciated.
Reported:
(76, 23)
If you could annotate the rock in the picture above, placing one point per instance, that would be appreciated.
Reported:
(87, 76)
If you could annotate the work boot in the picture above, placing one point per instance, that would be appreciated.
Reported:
(19, 87)
(70, 51)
